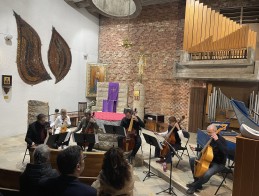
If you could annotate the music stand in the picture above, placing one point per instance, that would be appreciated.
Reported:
(82, 138)
(52, 139)
(151, 141)
(118, 130)
(63, 139)
(170, 189)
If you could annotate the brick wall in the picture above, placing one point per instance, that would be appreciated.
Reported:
(159, 30)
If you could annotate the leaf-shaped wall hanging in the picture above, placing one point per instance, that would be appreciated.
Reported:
(29, 61)
(59, 56)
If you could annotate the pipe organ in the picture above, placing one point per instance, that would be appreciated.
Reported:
(209, 35)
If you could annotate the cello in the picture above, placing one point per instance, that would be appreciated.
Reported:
(129, 140)
(88, 130)
(169, 139)
(206, 156)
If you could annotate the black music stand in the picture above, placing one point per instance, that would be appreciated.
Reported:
(151, 141)
(56, 140)
(170, 189)
(118, 130)
(52, 141)
(82, 138)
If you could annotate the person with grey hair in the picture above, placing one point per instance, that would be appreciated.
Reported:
(36, 171)
(219, 149)
(88, 126)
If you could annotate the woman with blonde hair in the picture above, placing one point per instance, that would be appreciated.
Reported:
(116, 177)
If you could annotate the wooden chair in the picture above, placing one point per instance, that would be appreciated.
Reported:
(9, 182)
(93, 164)
(87, 180)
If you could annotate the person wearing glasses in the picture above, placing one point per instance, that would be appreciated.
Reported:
(71, 164)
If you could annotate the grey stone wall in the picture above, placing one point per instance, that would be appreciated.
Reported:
(36, 107)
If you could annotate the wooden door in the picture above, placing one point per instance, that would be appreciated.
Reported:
(196, 111)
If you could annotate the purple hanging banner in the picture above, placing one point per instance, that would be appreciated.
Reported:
(109, 105)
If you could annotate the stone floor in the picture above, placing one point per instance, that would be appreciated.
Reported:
(12, 150)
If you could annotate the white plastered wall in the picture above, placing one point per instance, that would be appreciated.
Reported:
(80, 31)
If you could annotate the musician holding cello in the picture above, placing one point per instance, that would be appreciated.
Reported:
(173, 139)
(88, 126)
(136, 127)
(218, 147)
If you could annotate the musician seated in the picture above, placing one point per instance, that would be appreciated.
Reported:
(219, 149)
(88, 126)
(37, 131)
(137, 124)
(62, 122)
(168, 157)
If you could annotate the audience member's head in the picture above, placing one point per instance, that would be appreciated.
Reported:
(41, 154)
(115, 168)
(71, 161)
(41, 118)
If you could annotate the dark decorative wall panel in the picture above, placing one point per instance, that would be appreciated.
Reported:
(59, 56)
(29, 61)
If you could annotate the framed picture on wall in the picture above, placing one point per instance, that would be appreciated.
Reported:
(6, 80)
(95, 73)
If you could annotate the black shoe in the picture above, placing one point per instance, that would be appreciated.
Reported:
(192, 185)
(190, 191)
(189, 185)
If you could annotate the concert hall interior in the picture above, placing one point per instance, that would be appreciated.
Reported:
(150, 97)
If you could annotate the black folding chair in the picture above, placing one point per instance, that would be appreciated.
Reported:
(228, 169)
(180, 151)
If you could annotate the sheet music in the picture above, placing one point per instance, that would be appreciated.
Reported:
(151, 133)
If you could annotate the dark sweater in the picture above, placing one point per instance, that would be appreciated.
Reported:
(219, 148)
(36, 133)
(66, 186)
(125, 122)
(29, 179)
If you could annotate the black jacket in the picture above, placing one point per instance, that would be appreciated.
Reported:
(29, 179)
(125, 122)
(219, 148)
(34, 133)
(66, 186)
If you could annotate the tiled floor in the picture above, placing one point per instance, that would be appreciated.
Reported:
(12, 150)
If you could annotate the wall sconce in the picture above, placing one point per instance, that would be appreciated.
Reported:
(136, 94)
(6, 83)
